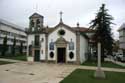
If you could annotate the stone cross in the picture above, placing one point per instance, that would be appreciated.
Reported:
(61, 16)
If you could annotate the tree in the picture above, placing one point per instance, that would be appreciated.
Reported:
(101, 25)
(14, 46)
(5, 47)
(21, 47)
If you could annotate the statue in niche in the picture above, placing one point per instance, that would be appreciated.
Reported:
(71, 45)
(51, 45)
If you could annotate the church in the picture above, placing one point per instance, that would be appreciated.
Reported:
(59, 44)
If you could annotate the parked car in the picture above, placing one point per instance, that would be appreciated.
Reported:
(119, 57)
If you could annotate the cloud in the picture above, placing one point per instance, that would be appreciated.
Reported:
(82, 11)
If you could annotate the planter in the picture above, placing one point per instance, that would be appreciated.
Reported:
(30, 59)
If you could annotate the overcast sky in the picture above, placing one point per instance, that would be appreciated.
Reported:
(82, 11)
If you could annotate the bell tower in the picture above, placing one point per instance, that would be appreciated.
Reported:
(36, 22)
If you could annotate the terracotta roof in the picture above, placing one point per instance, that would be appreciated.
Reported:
(82, 29)
(61, 24)
(50, 29)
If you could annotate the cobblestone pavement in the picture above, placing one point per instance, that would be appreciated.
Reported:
(23, 72)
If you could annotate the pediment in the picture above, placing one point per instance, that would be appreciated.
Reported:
(64, 26)
(61, 40)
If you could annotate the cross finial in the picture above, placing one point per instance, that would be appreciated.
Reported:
(61, 16)
(36, 7)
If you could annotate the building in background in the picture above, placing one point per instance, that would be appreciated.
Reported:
(12, 31)
(122, 39)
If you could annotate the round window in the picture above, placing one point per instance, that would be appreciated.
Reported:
(71, 55)
(51, 54)
(61, 32)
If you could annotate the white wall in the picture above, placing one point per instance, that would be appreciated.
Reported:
(43, 47)
(68, 36)
(30, 39)
(122, 39)
(43, 44)
(10, 30)
(83, 48)
(122, 33)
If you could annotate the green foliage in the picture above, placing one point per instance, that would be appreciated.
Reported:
(14, 46)
(21, 47)
(21, 57)
(4, 46)
(86, 76)
(101, 24)
(5, 62)
(104, 64)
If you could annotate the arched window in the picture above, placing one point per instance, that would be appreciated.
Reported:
(71, 45)
(51, 45)
(31, 23)
(37, 21)
(38, 24)
(71, 55)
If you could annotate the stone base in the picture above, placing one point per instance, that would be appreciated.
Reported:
(30, 60)
(99, 73)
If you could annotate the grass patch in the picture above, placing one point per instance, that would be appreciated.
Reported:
(104, 64)
(5, 62)
(15, 57)
(87, 76)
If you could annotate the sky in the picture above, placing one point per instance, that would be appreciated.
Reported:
(82, 11)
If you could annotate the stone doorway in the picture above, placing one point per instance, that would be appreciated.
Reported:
(36, 55)
(61, 55)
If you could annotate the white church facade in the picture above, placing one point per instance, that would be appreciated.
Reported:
(59, 44)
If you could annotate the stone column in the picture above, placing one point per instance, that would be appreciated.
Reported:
(77, 45)
(99, 73)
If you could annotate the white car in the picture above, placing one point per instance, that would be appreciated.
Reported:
(119, 57)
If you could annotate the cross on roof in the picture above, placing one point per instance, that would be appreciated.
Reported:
(36, 8)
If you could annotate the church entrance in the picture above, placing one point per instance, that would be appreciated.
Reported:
(61, 55)
(36, 55)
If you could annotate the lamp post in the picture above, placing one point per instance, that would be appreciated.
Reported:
(99, 73)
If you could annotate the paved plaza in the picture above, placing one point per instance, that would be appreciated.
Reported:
(22, 72)
(35, 73)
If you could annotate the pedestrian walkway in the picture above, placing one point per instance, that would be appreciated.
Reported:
(116, 62)
(103, 68)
